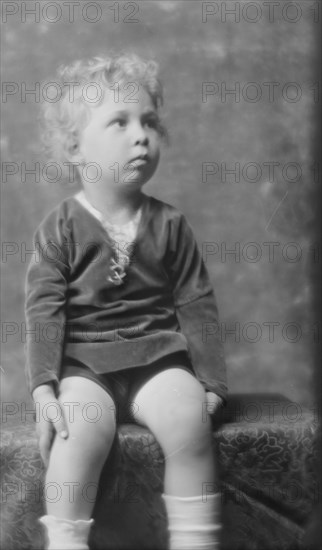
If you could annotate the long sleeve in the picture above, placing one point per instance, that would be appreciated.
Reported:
(196, 308)
(46, 287)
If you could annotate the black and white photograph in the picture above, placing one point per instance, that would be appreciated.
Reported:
(160, 268)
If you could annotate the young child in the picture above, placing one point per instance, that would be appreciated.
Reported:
(121, 298)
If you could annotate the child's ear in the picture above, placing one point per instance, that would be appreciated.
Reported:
(74, 153)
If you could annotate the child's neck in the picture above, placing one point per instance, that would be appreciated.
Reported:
(117, 208)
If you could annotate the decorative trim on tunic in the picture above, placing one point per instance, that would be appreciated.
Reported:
(122, 236)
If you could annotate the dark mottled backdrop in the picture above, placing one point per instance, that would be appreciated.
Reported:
(263, 290)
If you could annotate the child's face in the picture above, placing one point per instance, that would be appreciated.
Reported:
(122, 139)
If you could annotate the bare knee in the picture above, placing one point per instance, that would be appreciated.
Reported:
(182, 429)
(172, 406)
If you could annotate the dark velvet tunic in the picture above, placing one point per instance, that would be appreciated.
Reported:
(164, 304)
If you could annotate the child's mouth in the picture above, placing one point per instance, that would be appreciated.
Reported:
(140, 160)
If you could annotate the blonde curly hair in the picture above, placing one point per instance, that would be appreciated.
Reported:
(64, 117)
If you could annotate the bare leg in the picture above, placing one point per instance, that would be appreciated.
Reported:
(171, 404)
(75, 463)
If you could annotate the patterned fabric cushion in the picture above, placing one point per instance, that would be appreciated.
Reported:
(267, 461)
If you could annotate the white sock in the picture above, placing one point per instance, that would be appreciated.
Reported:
(193, 522)
(65, 534)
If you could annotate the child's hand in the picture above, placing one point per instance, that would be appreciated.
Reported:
(49, 419)
(213, 402)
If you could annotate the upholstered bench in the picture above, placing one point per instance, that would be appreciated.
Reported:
(267, 452)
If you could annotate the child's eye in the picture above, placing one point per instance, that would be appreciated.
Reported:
(120, 122)
(152, 122)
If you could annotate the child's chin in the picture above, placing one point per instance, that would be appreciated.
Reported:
(133, 185)
(137, 179)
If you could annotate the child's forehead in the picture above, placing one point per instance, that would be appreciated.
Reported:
(128, 96)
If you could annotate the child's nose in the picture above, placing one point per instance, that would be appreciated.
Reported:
(139, 134)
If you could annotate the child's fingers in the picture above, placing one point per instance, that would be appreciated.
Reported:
(55, 415)
(51, 412)
(49, 420)
(213, 402)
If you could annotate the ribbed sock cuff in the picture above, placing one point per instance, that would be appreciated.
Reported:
(65, 534)
(193, 522)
